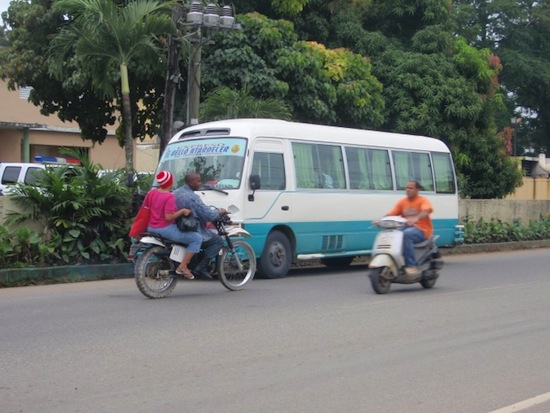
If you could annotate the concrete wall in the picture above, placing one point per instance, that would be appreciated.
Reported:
(502, 209)
(7, 206)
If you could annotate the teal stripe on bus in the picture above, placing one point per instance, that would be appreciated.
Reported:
(356, 235)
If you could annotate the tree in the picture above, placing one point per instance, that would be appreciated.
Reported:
(319, 84)
(225, 103)
(434, 83)
(525, 53)
(3, 39)
(273, 8)
(103, 36)
(331, 86)
(518, 32)
(32, 25)
(72, 98)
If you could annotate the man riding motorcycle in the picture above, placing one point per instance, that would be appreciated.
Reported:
(212, 242)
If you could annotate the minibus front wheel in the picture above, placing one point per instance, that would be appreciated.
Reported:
(276, 257)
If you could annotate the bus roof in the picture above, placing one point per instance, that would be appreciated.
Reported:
(275, 128)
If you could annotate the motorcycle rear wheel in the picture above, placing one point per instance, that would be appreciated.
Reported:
(228, 268)
(153, 274)
(380, 279)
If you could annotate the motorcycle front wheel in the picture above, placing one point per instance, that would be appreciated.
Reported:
(380, 279)
(236, 269)
(153, 274)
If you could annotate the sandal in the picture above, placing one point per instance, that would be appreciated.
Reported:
(186, 273)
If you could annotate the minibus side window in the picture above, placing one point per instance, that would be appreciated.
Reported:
(331, 167)
(369, 168)
(380, 168)
(444, 176)
(318, 166)
(271, 169)
(413, 166)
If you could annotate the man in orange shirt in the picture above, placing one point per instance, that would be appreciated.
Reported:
(416, 209)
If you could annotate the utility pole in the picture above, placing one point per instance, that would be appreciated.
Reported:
(172, 80)
(194, 79)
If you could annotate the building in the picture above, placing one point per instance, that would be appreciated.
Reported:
(26, 133)
(536, 180)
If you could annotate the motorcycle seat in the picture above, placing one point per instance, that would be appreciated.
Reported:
(165, 241)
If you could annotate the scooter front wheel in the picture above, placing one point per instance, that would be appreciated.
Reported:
(380, 279)
(237, 268)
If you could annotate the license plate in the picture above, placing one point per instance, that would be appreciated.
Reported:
(177, 253)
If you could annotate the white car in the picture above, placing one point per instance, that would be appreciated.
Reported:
(13, 172)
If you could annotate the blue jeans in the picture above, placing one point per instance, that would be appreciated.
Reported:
(411, 236)
(193, 240)
(212, 246)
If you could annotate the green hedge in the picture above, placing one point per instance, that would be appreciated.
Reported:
(494, 231)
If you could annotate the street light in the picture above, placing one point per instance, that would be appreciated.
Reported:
(202, 22)
(198, 19)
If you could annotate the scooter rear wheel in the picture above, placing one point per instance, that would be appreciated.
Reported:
(429, 282)
(380, 279)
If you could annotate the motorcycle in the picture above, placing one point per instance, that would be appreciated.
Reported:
(156, 259)
(387, 265)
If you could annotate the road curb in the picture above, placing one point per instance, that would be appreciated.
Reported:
(14, 277)
(495, 247)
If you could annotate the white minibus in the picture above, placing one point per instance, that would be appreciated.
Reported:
(309, 191)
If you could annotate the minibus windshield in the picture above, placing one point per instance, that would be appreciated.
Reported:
(219, 161)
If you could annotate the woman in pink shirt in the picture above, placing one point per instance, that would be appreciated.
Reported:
(162, 221)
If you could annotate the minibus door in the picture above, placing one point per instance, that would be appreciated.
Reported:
(270, 203)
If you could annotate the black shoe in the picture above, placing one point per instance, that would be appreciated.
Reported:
(202, 273)
(202, 269)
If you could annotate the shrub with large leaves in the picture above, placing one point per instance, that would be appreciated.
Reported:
(84, 214)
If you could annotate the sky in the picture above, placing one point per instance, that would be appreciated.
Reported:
(4, 4)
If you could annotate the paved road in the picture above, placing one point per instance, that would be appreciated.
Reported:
(318, 341)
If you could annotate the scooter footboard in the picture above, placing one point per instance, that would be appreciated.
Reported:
(383, 260)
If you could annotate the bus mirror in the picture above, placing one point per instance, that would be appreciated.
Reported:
(254, 183)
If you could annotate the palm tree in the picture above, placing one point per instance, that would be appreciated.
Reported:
(105, 38)
(226, 103)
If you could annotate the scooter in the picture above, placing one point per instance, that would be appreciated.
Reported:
(387, 265)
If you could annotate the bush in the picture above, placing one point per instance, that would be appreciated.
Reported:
(24, 249)
(482, 232)
(85, 216)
